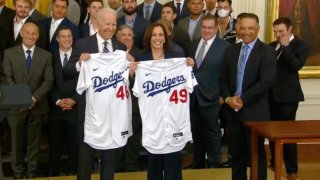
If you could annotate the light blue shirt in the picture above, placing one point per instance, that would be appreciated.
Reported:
(130, 22)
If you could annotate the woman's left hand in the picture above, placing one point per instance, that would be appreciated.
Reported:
(190, 61)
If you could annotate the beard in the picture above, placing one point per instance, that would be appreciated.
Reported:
(129, 12)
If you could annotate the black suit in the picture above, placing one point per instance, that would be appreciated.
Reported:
(8, 13)
(183, 13)
(139, 27)
(205, 105)
(63, 123)
(84, 30)
(155, 14)
(259, 74)
(86, 152)
(286, 93)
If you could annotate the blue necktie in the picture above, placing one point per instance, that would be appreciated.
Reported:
(28, 60)
(105, 47)
(200, 54)
(148, 12)
(241, 68)
(65, 60)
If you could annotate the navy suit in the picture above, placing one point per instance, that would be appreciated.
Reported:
(84, 30)
(86, 152)
(156, 12)
(259, 74)
(8, 13)
(139, 27)
(53, 45)
(205, 105)
(63, 123)
(286, 93)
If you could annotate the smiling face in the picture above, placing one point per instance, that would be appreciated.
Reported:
(126, 37)
(107, 23)
(281, 30)
(208, 29)
(157, 38)
(248, 29)
(23, 8)
(64, 39)
(29, 34)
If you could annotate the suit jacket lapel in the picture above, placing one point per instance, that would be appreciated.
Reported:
(21, 58)
(35, 61)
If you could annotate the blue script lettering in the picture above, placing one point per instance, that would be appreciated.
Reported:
(100, 83)
(152, 88)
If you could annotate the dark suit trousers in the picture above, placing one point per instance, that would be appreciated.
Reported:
(240, 144)
(206, 136)
(285, 112)
(164, 166)
(86, 158)
(63, 129)
(127, 157)
(25, 139)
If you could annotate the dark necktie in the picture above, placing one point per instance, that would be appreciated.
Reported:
(279, 50)
(178, 11)
(65, 59)
(241, 68)
(28, 60)
(148, 12)
(105, 47)
(200, 54)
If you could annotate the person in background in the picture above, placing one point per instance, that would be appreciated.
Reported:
(116, 5)
(248, 72)
(225, 21)
(181, 9)
(286, 92)
(205, 100)
(189, 28)
(168, 13)
(91, 27)
(134, 20)
(150, 10)
(211, 7)
(58, 19)
(31, 65)
(63, 124)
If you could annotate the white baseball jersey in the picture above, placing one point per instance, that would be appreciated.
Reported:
(108, 102)
(163, 88)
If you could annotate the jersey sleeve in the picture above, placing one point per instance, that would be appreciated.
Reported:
(136, 87)
(191, 80)
(84, 80)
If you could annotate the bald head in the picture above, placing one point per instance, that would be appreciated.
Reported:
(29, 34)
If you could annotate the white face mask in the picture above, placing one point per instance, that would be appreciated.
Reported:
(223, 13)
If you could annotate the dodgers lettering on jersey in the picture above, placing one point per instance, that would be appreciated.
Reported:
(108, 101)
(163, 88)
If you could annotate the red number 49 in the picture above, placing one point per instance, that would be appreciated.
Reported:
(121, 94)
(182, 96)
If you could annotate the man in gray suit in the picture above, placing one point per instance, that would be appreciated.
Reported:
(31, 65)
(189, 28)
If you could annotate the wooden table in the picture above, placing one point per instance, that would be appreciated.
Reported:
(281, 132)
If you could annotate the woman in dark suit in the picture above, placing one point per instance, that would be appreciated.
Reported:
(165, 163)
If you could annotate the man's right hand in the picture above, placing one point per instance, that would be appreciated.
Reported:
(235, 103)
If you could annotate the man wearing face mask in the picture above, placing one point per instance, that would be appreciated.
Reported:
(226, 23)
